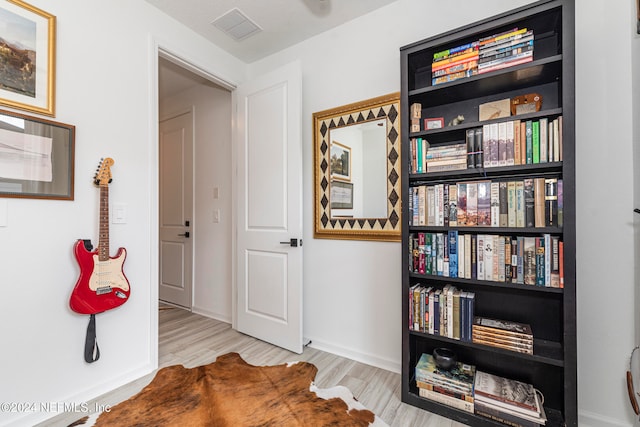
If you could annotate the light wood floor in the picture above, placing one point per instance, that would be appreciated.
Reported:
(192, 340)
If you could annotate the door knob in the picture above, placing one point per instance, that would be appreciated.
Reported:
(185, 234)
(292, 242)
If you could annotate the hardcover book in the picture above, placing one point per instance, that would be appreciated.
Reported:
(535, 141)
(502, 326)
(486, 146)
(515, 395)
(446, 400)
(445, 390)
(510, 137)
(478, 149)
(470, 254)
(484, 203)
(453, 253)
(544, 140)
(517, 146)
(539, 201)
(551, 202)
(529, 261)
(453, 205)
(510, 418)
(511, 203)
(495, 204)
(504, 204)
(470, 140)
(463, 255)
(520, 221)
(529, 203)
(540, 265)
(529, 141)
(502, 144)
(472, 204)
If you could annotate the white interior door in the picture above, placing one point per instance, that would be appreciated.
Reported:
(269, 208)
(176, 208)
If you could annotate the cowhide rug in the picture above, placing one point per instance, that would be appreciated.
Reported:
(231, 392)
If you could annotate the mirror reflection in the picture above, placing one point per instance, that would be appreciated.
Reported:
(358, 170)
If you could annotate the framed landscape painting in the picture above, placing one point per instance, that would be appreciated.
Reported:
(27, 57)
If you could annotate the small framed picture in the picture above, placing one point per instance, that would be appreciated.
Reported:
(340, 161)
(434, 123)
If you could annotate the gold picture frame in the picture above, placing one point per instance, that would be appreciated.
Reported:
(382, 112)
(27, 58)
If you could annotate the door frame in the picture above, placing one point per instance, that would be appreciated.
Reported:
(174, 54)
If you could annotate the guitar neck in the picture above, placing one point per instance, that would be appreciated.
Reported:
(103, 241)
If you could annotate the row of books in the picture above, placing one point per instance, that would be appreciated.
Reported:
(447, 312)
(530, 202)
(524, 260)
(514, 142)
(464, 387)
(491, 53)
(517, 142)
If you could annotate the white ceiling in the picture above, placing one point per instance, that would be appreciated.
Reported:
(283, 22)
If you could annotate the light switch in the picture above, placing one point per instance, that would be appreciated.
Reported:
(119, 213)
(216, 216)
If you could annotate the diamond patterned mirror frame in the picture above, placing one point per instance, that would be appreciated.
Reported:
(326, 227)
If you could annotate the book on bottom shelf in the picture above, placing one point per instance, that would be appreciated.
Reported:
(463, 405)
(447, 391)
(508, 418)
(506, 393)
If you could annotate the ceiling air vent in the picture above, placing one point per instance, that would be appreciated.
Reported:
(236, 25)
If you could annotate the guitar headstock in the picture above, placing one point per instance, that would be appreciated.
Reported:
(103, 175)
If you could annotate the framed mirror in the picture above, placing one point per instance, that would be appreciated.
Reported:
(357, 170)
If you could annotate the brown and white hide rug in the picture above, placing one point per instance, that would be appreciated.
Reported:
(231, 392)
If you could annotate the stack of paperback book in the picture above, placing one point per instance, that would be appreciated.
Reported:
(504, 50)
(452, 387)
(446, 158)
(503, 334)
(455, 63)
(508, 401)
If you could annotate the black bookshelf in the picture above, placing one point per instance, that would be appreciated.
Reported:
(551, 312)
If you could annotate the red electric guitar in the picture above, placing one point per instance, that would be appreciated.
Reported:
(102, 284)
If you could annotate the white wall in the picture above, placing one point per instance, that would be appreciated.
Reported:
(106, 83)
(350, 63)
(604, 161)
(212, 155)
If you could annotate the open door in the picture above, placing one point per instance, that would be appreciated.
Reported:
(176, 206)
(269, 207)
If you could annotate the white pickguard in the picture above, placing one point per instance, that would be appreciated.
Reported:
(108, 273)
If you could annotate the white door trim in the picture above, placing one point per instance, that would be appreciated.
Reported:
(158, 48)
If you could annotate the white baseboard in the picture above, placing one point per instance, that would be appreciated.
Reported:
(211, 314)
(79, 400)
(591, 419)
(369, 359)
